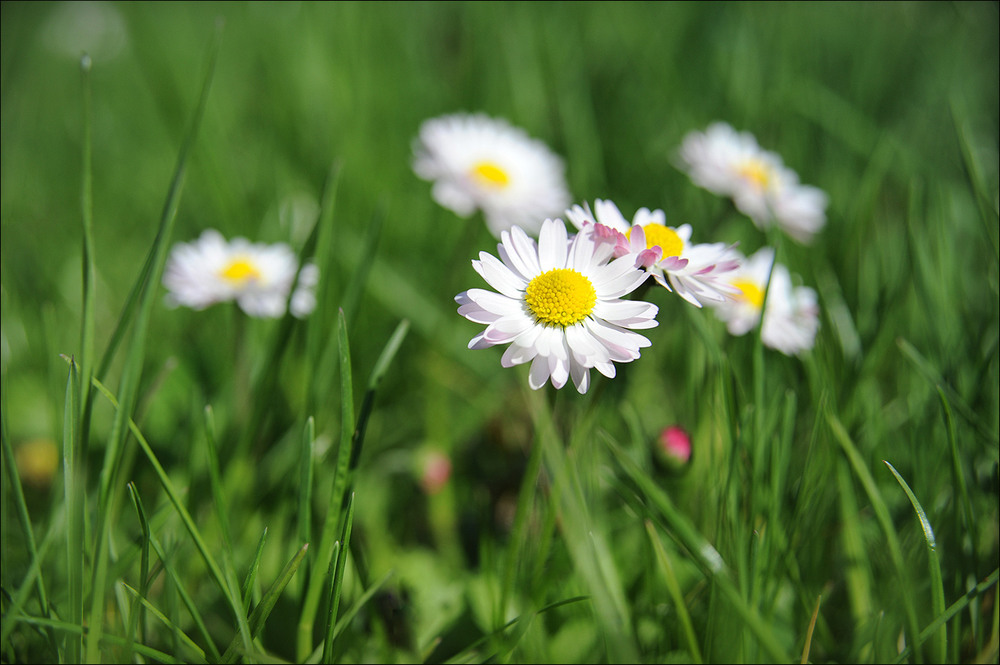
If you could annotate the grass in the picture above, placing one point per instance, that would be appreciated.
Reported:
(228, 488)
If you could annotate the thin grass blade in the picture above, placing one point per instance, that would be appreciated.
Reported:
(336, 589)
(263, 610)
(884, 520)
(152, 609)
(675, 593)
(940, 646)
(252, 573)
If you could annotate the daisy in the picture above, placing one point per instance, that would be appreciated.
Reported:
(667, 253)
(730, 163)
(791, 318)
(558, 304)
(257, 276)
(477, 162)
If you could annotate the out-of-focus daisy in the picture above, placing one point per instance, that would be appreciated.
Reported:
(558, 304)
(791, 319)
(695, 271)
(673, 447)
(478, 162)
(256, 275)
(731, 163)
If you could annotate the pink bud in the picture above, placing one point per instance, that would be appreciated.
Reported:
(675, 445)
(435, 472)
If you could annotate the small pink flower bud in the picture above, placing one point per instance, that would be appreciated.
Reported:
(674, 446)
(435, 472)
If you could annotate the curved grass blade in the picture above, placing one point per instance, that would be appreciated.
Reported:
(252, 573)
(952, 610)
(884, 520)
(809, 632)
(106, 639)
(215, 478)
(188, 642)
(937, 585)
(229, 592)
(135, 616)
(675, 593)
(263, 609)
(340, 484)
(343, 547)
(652, 497)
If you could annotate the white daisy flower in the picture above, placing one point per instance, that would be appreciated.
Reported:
(792, 312)
(477, 162)
(558, 304)
(730, 163)
(257, 276)
(667, 253)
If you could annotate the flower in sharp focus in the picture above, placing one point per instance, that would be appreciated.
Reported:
(791, 315)
(257, 276)
(478, 162)
(731, 163)
(558, 305)
(695, 271)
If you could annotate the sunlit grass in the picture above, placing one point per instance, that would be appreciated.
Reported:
(232, 488)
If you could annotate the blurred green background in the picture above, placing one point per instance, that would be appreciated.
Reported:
(891, 108)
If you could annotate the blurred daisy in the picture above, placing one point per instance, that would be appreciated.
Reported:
(695, 272)
(730, 163)
(558, 304)
(257, 276)
(477, 162)
(792, 315)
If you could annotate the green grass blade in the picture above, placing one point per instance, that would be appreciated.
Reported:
(252, 573)
(188, 602)
(153, 264)
(188, 642)
(967, 519)
(215, 478)
(884, 520)
(86, 352)
(12, 607)
(263, 610)
(75, 497)
(21, 507)
(340, 484)
(940, 647)
(106, 640)
(304, 515)
(352, 294)
(336, 589)
(675, 593)
(704, 554)
(214, 570)
(934, 377)
(135, 618)
(941, 620)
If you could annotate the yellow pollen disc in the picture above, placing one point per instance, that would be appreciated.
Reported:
(664, 237)
(560, 297)
(490, 174)
(756, 172)
(751, 292)
(240, 270)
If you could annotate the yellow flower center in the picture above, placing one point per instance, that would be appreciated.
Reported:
(757, 172)
(490, 174)
(240, 270)
(664, 237)
(560, 297)
(751, 292)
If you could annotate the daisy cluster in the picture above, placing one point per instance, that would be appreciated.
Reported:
(559, 302)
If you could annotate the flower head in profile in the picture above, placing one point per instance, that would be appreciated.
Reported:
(695, 271)
(481, 163)
(791, 317)
(558, 305)
(731, 163)
(257, 276)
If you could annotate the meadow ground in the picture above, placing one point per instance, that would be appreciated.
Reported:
(839, 504)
